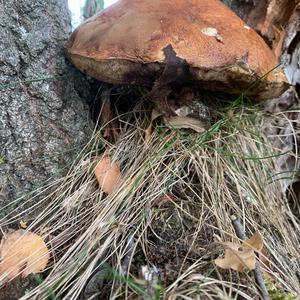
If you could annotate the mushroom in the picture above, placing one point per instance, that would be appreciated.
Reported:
(131, 41)
(170, 44)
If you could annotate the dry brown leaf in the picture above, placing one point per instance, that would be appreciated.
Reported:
(255, 242)
(108, 174)
(238, 257)
(155, 114)
(22, 253)
(278, 42)
(23, 224)
(148, 131)
(186, 122)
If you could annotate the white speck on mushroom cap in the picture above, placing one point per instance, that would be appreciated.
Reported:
(211, 31)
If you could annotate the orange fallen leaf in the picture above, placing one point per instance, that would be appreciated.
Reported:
(238, 257)
(22, 253)
(108, 174)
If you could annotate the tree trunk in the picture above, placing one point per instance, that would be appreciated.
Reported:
(43, 117)
(268, 17)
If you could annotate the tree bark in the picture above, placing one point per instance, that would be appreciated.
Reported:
(44, 117)
(268, 17)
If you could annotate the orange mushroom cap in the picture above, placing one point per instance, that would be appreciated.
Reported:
(125, 43)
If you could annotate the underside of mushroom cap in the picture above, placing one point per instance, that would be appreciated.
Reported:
(125, 44)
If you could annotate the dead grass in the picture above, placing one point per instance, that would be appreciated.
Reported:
(231, 169)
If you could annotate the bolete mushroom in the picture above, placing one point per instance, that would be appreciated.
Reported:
(176, 43)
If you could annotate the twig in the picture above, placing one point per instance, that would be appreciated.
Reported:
(239, 230)
(126, 260)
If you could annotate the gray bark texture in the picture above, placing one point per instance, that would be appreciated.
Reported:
(43, 123)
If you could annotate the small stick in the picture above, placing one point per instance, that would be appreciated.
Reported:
(239, 230)
(126, 260)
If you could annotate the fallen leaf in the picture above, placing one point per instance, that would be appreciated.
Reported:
(23, 224)
(108, 174)
(155, 114)
(290, 48)
(186, 122)
(238, 257)
(148, 131)
(255, 242)
(22, 253)
(275, 20)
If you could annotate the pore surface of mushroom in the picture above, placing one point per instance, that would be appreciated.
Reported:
(132, 41)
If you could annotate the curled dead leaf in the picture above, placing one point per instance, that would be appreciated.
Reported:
(108, 174)
(155, 114)
(178, 122)
(22, 253)
(23, 224)
(148, 131)
(238, 257)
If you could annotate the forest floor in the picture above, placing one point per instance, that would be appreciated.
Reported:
(161, 230)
